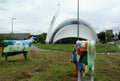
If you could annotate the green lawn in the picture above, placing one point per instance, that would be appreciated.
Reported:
(60, 47)
(107, 48)
(41, 66)
(107, 67)
(55, 66)
(100, 48)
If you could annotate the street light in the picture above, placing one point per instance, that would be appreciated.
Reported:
(12, 24)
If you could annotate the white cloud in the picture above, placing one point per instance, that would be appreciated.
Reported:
(34, 16)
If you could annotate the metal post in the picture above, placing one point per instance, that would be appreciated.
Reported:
(79, 76)
(12, 24)
(78, 19)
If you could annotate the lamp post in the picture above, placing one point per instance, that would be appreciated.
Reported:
(12, 24)
(78, 19)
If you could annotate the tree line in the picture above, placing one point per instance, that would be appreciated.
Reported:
(102, 36)
(106, 37)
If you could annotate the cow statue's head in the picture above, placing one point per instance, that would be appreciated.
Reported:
(33, 39)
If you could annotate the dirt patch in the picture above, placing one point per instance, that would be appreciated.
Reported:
(108, 66)
(22, 75)
(68, 76)
(71, 79)
(34, 55)
(40, 69)
(103, 71)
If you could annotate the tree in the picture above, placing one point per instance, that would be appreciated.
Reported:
(109, 36)
(101, 36)
(119, 35)
(42, 37)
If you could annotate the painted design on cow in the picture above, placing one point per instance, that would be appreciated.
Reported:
(14, 47)
(83, 57)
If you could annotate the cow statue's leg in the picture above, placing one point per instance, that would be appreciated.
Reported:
(75, 69)
(92, 73)
(25, 55)
(2, 50)
(80, 67)
(6, 57)
(91, 58)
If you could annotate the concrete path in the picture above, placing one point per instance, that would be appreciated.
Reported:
(118, 46)
(34, 48)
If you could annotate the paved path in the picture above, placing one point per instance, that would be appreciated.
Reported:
(118, 46)
(34, 48)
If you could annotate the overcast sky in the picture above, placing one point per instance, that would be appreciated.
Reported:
(34, 16)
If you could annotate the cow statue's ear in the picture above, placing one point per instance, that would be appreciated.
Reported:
(32, 39)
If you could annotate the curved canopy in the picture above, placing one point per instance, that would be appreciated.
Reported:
(68, 29)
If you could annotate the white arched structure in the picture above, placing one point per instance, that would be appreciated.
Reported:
(68, 29)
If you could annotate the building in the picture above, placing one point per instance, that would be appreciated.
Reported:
(110, 32)
(16, 35)
(67, 31)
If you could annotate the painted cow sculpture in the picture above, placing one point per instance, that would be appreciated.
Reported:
(14, 47)
(83, 57)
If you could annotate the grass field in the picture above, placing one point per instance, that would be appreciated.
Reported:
(60, 47)
(55, 66)
(111, 48)
(100, 48)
